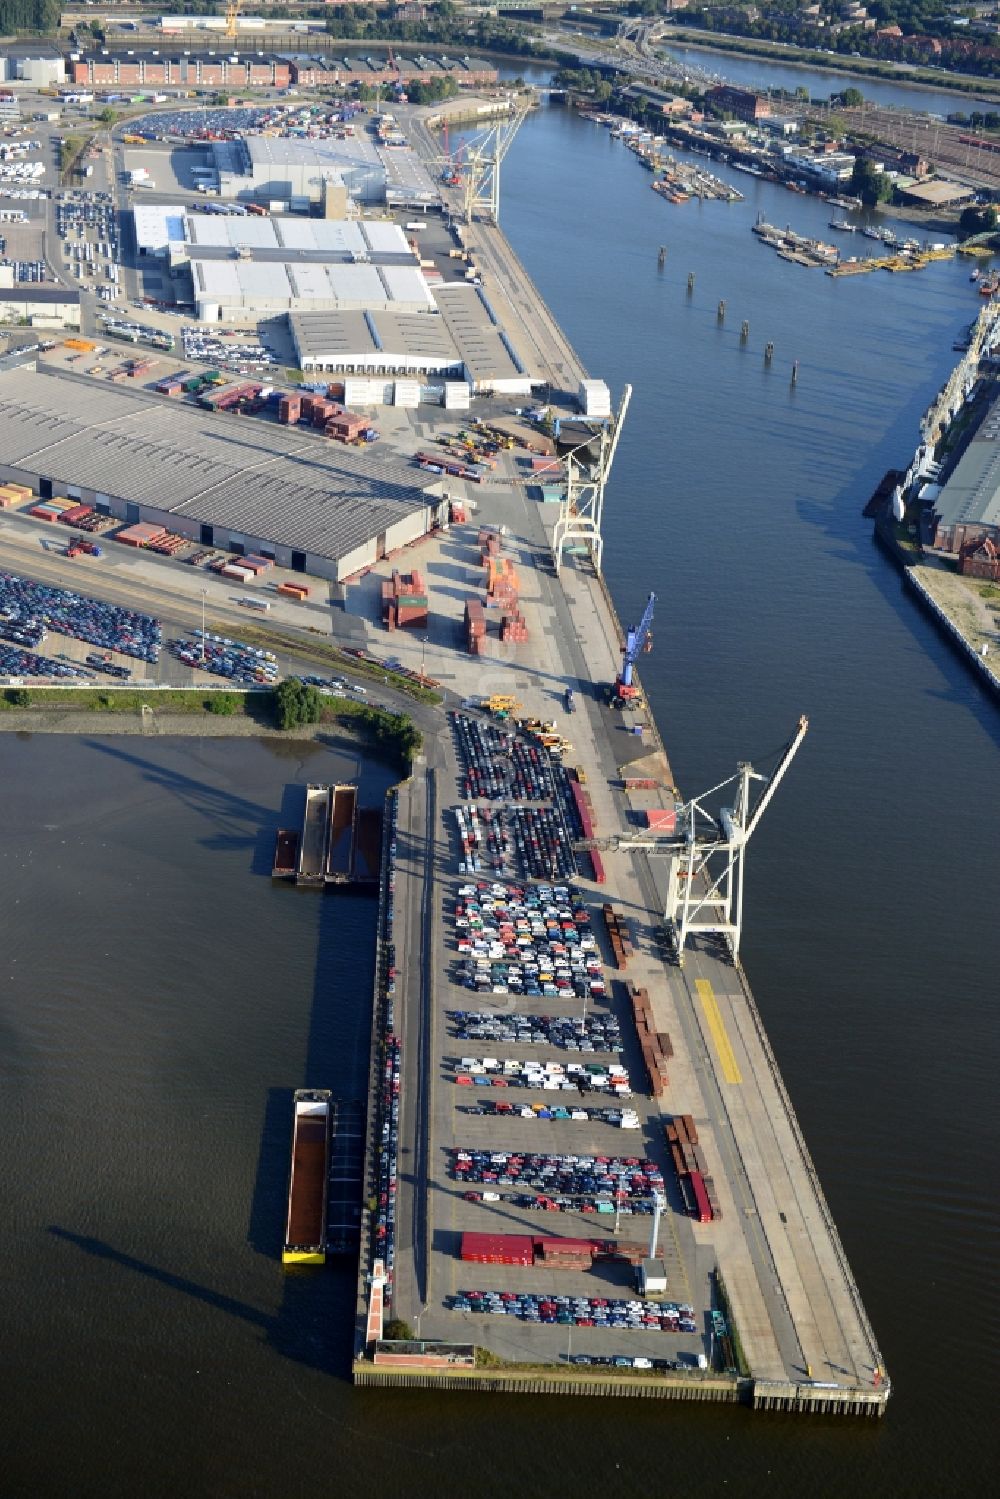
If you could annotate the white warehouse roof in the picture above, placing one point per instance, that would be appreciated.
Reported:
(157, 225)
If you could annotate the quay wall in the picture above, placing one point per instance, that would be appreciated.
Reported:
(536, 1382)
(370, 1173)
(968, 652)
(911, 579)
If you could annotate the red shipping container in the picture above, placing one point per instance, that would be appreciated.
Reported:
(663, 819)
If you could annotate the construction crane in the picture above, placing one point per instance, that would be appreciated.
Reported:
(706, 855)
(233, 8)
(639, 638)
(483, 156)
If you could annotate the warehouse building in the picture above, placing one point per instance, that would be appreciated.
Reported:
(234, 290)
(460, 341)
(43, 305)
(268, 169)
(313, 505)
(967, 507)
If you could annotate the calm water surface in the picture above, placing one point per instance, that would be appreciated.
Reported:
(160, 999)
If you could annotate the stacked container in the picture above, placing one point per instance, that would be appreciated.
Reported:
(617, 929)
(475, 626)
(289, 409)
(656, 1048)
(404, 601)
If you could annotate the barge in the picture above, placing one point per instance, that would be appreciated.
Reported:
(305, 1225)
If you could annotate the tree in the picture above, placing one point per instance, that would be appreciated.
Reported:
(978, 221)
(868, 184)
(295, 704)
(850, 98)
(107, 116)
(397, 1329)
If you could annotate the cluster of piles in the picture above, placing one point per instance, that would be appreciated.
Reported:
(475, 627)
(697, 1187)
(617, 929)
(151, 537)
(53, 509)
(404, 601)
(656, 1046)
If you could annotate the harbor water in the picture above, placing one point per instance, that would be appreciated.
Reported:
(160, 999)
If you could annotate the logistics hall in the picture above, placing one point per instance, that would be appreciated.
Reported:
(313, 505)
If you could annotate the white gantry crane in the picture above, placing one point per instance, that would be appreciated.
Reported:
(588, 467)
(706, 854)
(481, 166)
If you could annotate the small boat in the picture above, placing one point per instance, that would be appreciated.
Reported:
(974, 276)
(844, 226)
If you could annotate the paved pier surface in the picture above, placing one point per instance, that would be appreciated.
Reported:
(774, 1256)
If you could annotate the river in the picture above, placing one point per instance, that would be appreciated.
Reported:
(160, 999)
(763, 74)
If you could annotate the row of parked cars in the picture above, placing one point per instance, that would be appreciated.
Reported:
(579, 1311)
(617, 1118)
(535, 942)
(109, 626)
(387, 1121)
(572, 1033)
(18, 663)
(568, 1174)
(227, 658)
(500, 765)
(548, 1076)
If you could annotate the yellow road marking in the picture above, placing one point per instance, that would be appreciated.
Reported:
(716, 1025)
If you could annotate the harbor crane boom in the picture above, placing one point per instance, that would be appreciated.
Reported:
(706, 855)
(638, 638)
(483, 155)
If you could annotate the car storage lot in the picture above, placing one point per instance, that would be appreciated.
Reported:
(455, 1125)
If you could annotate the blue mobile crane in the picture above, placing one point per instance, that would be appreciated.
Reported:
(639, 638)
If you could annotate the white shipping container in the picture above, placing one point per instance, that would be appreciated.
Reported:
(594, 398)
(407, 393)
(457, 396)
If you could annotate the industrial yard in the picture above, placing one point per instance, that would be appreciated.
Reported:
(579, 1154)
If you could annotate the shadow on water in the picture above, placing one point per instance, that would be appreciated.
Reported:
(314, 1323)
(306, 1329)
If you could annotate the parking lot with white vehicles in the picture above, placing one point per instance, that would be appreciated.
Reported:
(87, 226)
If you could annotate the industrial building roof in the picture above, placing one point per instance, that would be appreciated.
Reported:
(157, 225)
(938, 193)
(486, 353)
(354, 337)
(462, 332)
(972, 493)
(281, 484)
(274, 152)
(276, 283)
(331, 239)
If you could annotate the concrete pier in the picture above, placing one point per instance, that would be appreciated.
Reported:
(771, 1265)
